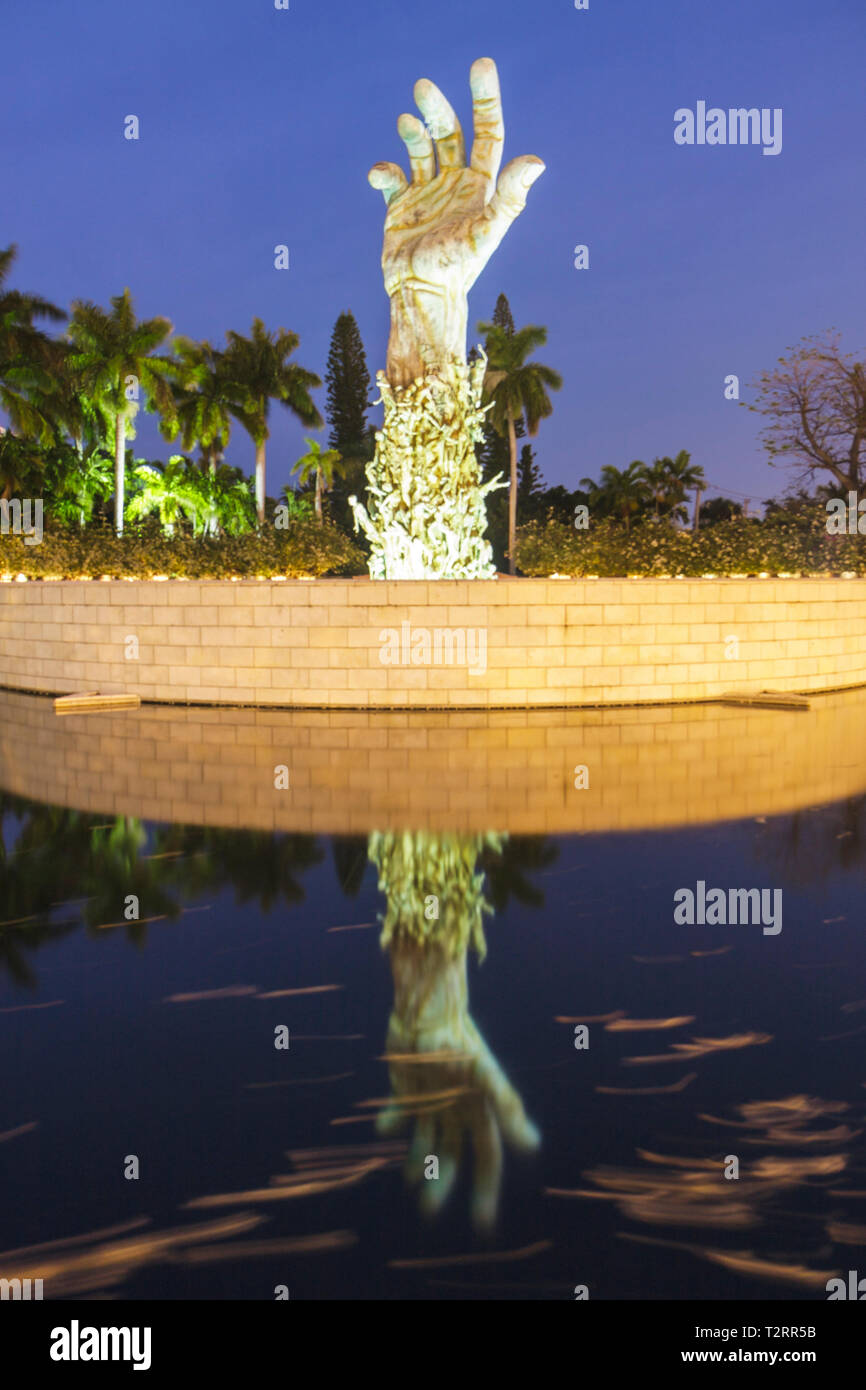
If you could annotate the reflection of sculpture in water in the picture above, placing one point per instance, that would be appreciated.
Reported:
(426, 514)
(443, 1075)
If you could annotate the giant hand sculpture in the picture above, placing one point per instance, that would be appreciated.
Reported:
(426, 516)
(441, 230)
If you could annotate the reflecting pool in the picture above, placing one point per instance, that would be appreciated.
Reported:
(401, 1006)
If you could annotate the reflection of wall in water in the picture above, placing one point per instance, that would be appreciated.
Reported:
(353, 773)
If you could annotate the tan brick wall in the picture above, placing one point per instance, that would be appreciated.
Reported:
(508, 770)
(548, 642)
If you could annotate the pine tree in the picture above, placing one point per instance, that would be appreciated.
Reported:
(492, 454)
(502, 315)
(529, 484)
(348, 383)
(492, 450)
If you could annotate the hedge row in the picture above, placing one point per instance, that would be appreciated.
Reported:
(778, 545)
(305, 549)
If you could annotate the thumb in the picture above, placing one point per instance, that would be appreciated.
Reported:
(515, 182)
(508, 201)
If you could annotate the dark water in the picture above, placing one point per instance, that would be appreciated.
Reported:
(565, 1166)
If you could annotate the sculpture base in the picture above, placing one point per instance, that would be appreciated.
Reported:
(426, 517)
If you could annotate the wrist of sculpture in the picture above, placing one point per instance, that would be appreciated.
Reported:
(430, 989)
(428, 332)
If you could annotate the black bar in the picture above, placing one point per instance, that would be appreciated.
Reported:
(410, 1340)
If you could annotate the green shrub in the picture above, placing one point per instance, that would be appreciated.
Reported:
(304, 549)
(781, 544)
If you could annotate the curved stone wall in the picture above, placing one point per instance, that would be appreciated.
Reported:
(446, 644)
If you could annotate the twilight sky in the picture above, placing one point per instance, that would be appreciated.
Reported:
(258, 127)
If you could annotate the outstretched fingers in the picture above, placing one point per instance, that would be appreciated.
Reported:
(442, 124)
(512, 1121)
(489, 123)
(389, 179)
(487, 1177)
(416, 138)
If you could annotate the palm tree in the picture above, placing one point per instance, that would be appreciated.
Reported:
(226, 506)
(656, 475)
(167, 489)
(110, 349)
(320, 465)
(620, 493)
(682, 477)
(260, 865)
(62, 855)
(298, 505)
(203, 401)
(27, 355)
(509, 864)
(212, 501)
(202, 398)
(668, 480)
(59, 407)
(75, 480)
(77, 474)
(22, 466)
(258, 371)
(517, 390)
(70, 408)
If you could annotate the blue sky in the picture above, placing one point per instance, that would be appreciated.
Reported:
(258, 127)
